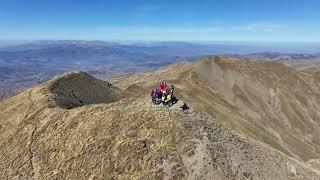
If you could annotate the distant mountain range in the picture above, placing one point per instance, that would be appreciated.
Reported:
(32, 63)
(304, 62)
(274, 56)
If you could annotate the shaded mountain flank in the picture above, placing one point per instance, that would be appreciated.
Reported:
(79, 127)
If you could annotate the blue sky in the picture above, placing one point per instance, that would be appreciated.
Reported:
(164, 20)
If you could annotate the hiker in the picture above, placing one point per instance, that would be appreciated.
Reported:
(164, 94)
(173, 99)
(159, 93)
(154, 92)
(164, 86)
(156, 98)
(171, 89)
(169, 97)
(164, 97)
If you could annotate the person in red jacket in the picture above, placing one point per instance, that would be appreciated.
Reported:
(164, 86)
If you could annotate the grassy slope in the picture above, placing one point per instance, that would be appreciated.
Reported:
(264, 100)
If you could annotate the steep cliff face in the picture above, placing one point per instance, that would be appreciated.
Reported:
(78, 127)
(267, 101)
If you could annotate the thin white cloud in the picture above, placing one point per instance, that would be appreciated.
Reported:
(159, 33)
(157, 30)
(189, 29)
(246, 32)
(261, 27)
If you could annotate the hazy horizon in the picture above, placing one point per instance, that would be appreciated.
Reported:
(252, 47)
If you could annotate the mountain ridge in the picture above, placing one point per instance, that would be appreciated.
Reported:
(267, 101)
(43, 138)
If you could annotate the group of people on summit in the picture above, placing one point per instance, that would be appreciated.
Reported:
(164, 94)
